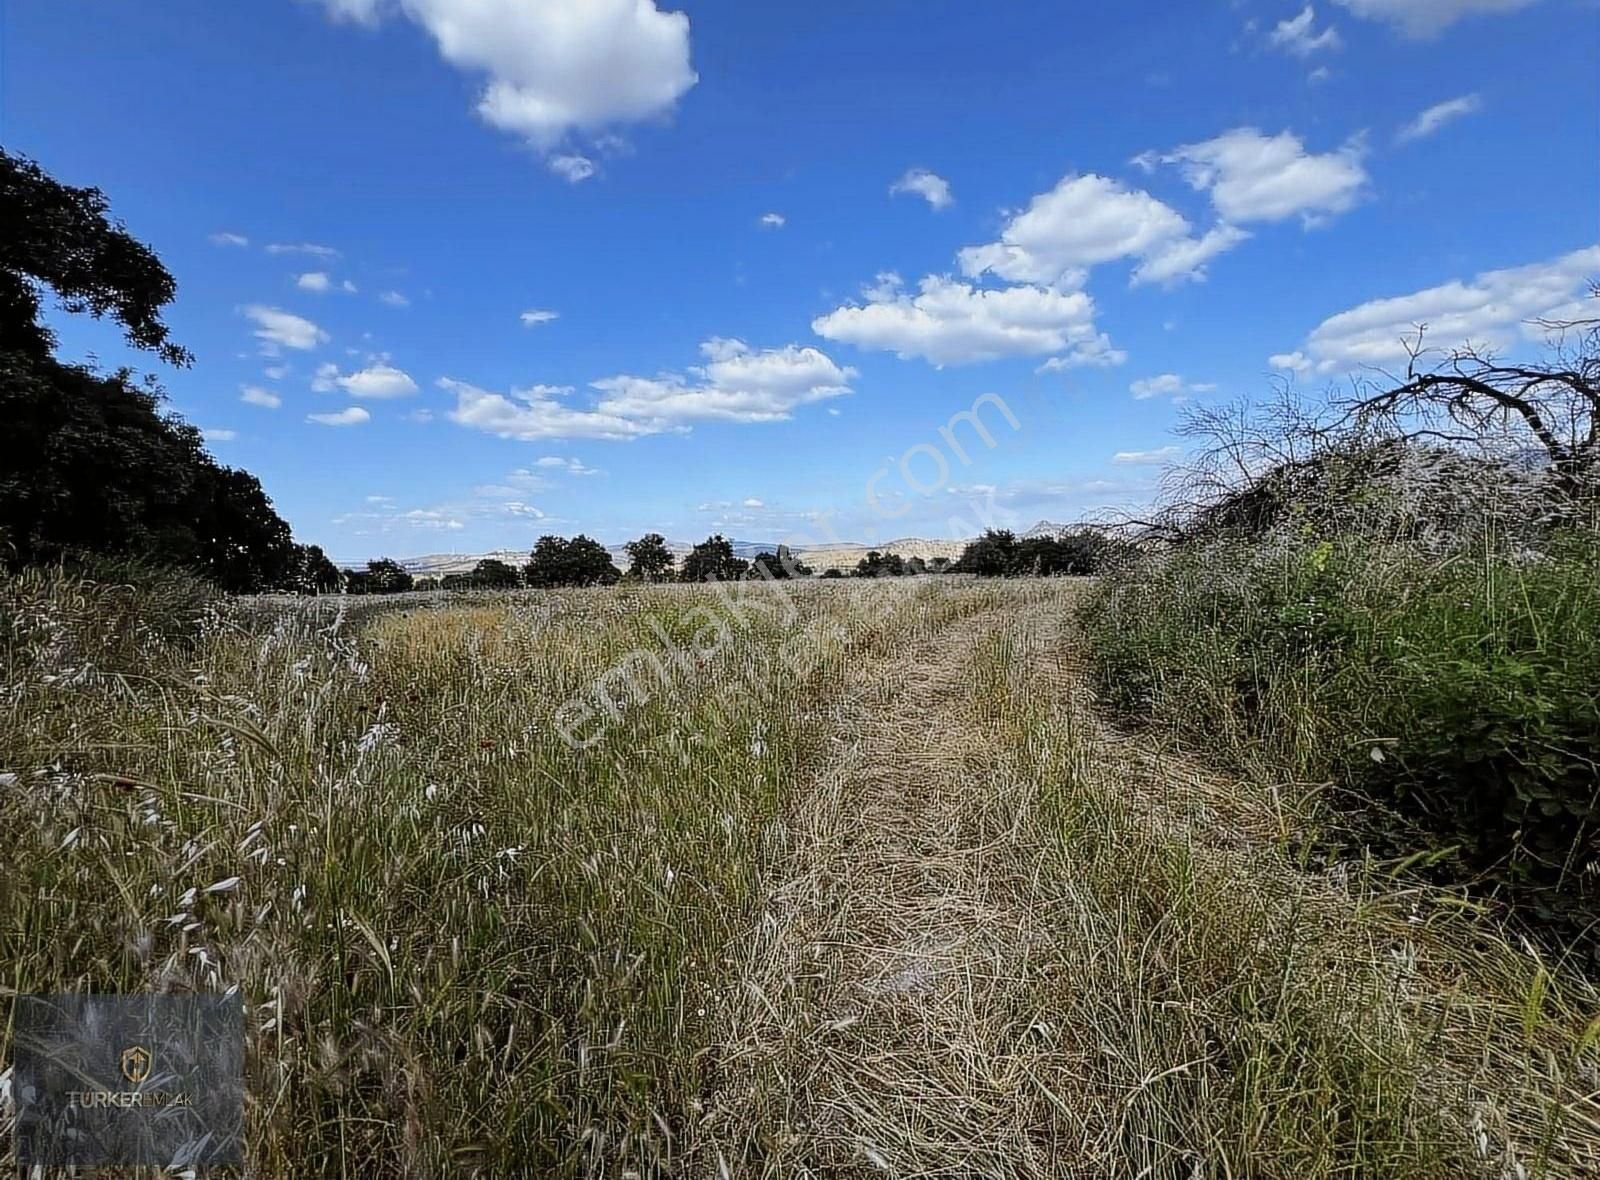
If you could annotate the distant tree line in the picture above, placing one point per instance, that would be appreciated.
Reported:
(582, 561)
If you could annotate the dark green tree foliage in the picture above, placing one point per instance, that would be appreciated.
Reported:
(493, 574)
(383, 576)
(713, 561)
(581, 561)
(310, 572)
(881, 565)
(89, 463)
(782, 564)
(993, 555)
(999, 554)
(649, 558)
(59, 236)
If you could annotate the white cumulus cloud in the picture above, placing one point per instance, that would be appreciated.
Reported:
(1492, 310)
(773, 220)
(1091, 219)
(349, 416)
(315, 280)
(535, 316)
(1251, 176)
(377, 381)
(930, 186)
(737, 383)
(254, 395)
(948, 322)
(552, 68)
(277, 328)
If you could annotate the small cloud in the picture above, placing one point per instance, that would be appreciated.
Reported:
(573, 169)
(1168, 385)
(394, 299)
(1436, 116)
(535, 316)
(420, 416)
(1319, 75)
(380, 380)
(254, 395)
(347, 287)
(227, 239)
(218, 434)
(277, 328)
(752, 502)
(315, 280)
(1146, 458)
(380, 499)
(1298, 35)
(774, 220)
(349, 416)
(1293, 362)
(275, 372)
(310, 248)
(930, 186)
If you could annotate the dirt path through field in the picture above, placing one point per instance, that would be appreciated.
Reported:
(886, 1025)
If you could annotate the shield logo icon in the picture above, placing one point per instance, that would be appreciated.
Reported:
(136, 1062)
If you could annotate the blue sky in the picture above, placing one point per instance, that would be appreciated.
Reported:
(461, 272)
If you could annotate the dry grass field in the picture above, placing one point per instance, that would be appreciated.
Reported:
(848, 881)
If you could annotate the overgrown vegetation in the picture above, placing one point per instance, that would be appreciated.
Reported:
(1412, 619)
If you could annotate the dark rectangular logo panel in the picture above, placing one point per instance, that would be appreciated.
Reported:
(129, 1080)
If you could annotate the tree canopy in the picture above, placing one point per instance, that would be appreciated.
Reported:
(649, 558)
(581, 561)
(713, 561)
(60, 236)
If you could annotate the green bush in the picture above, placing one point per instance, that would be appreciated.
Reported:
(1460, 693)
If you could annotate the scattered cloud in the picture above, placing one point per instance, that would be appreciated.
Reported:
(310, 248)
(1437, 116)
(1427, 18)
(948, 322)
(773, 220)
(930, 186)
(275, 372)
(735, 384)
(276, 328)
(571, 167)
(214, 434)
(227, 239)
(378, 381)
(569, 465)
(555, 69)
(1298, 35)
(1251, 176)
(1491, 310)
(1168, 385)
(1290, 362)
(349, 416)
(315, 280)
(1086, 220)
(1146, 458)
(535, 316)
(394, 299)
(254, 395)
(534, 414)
